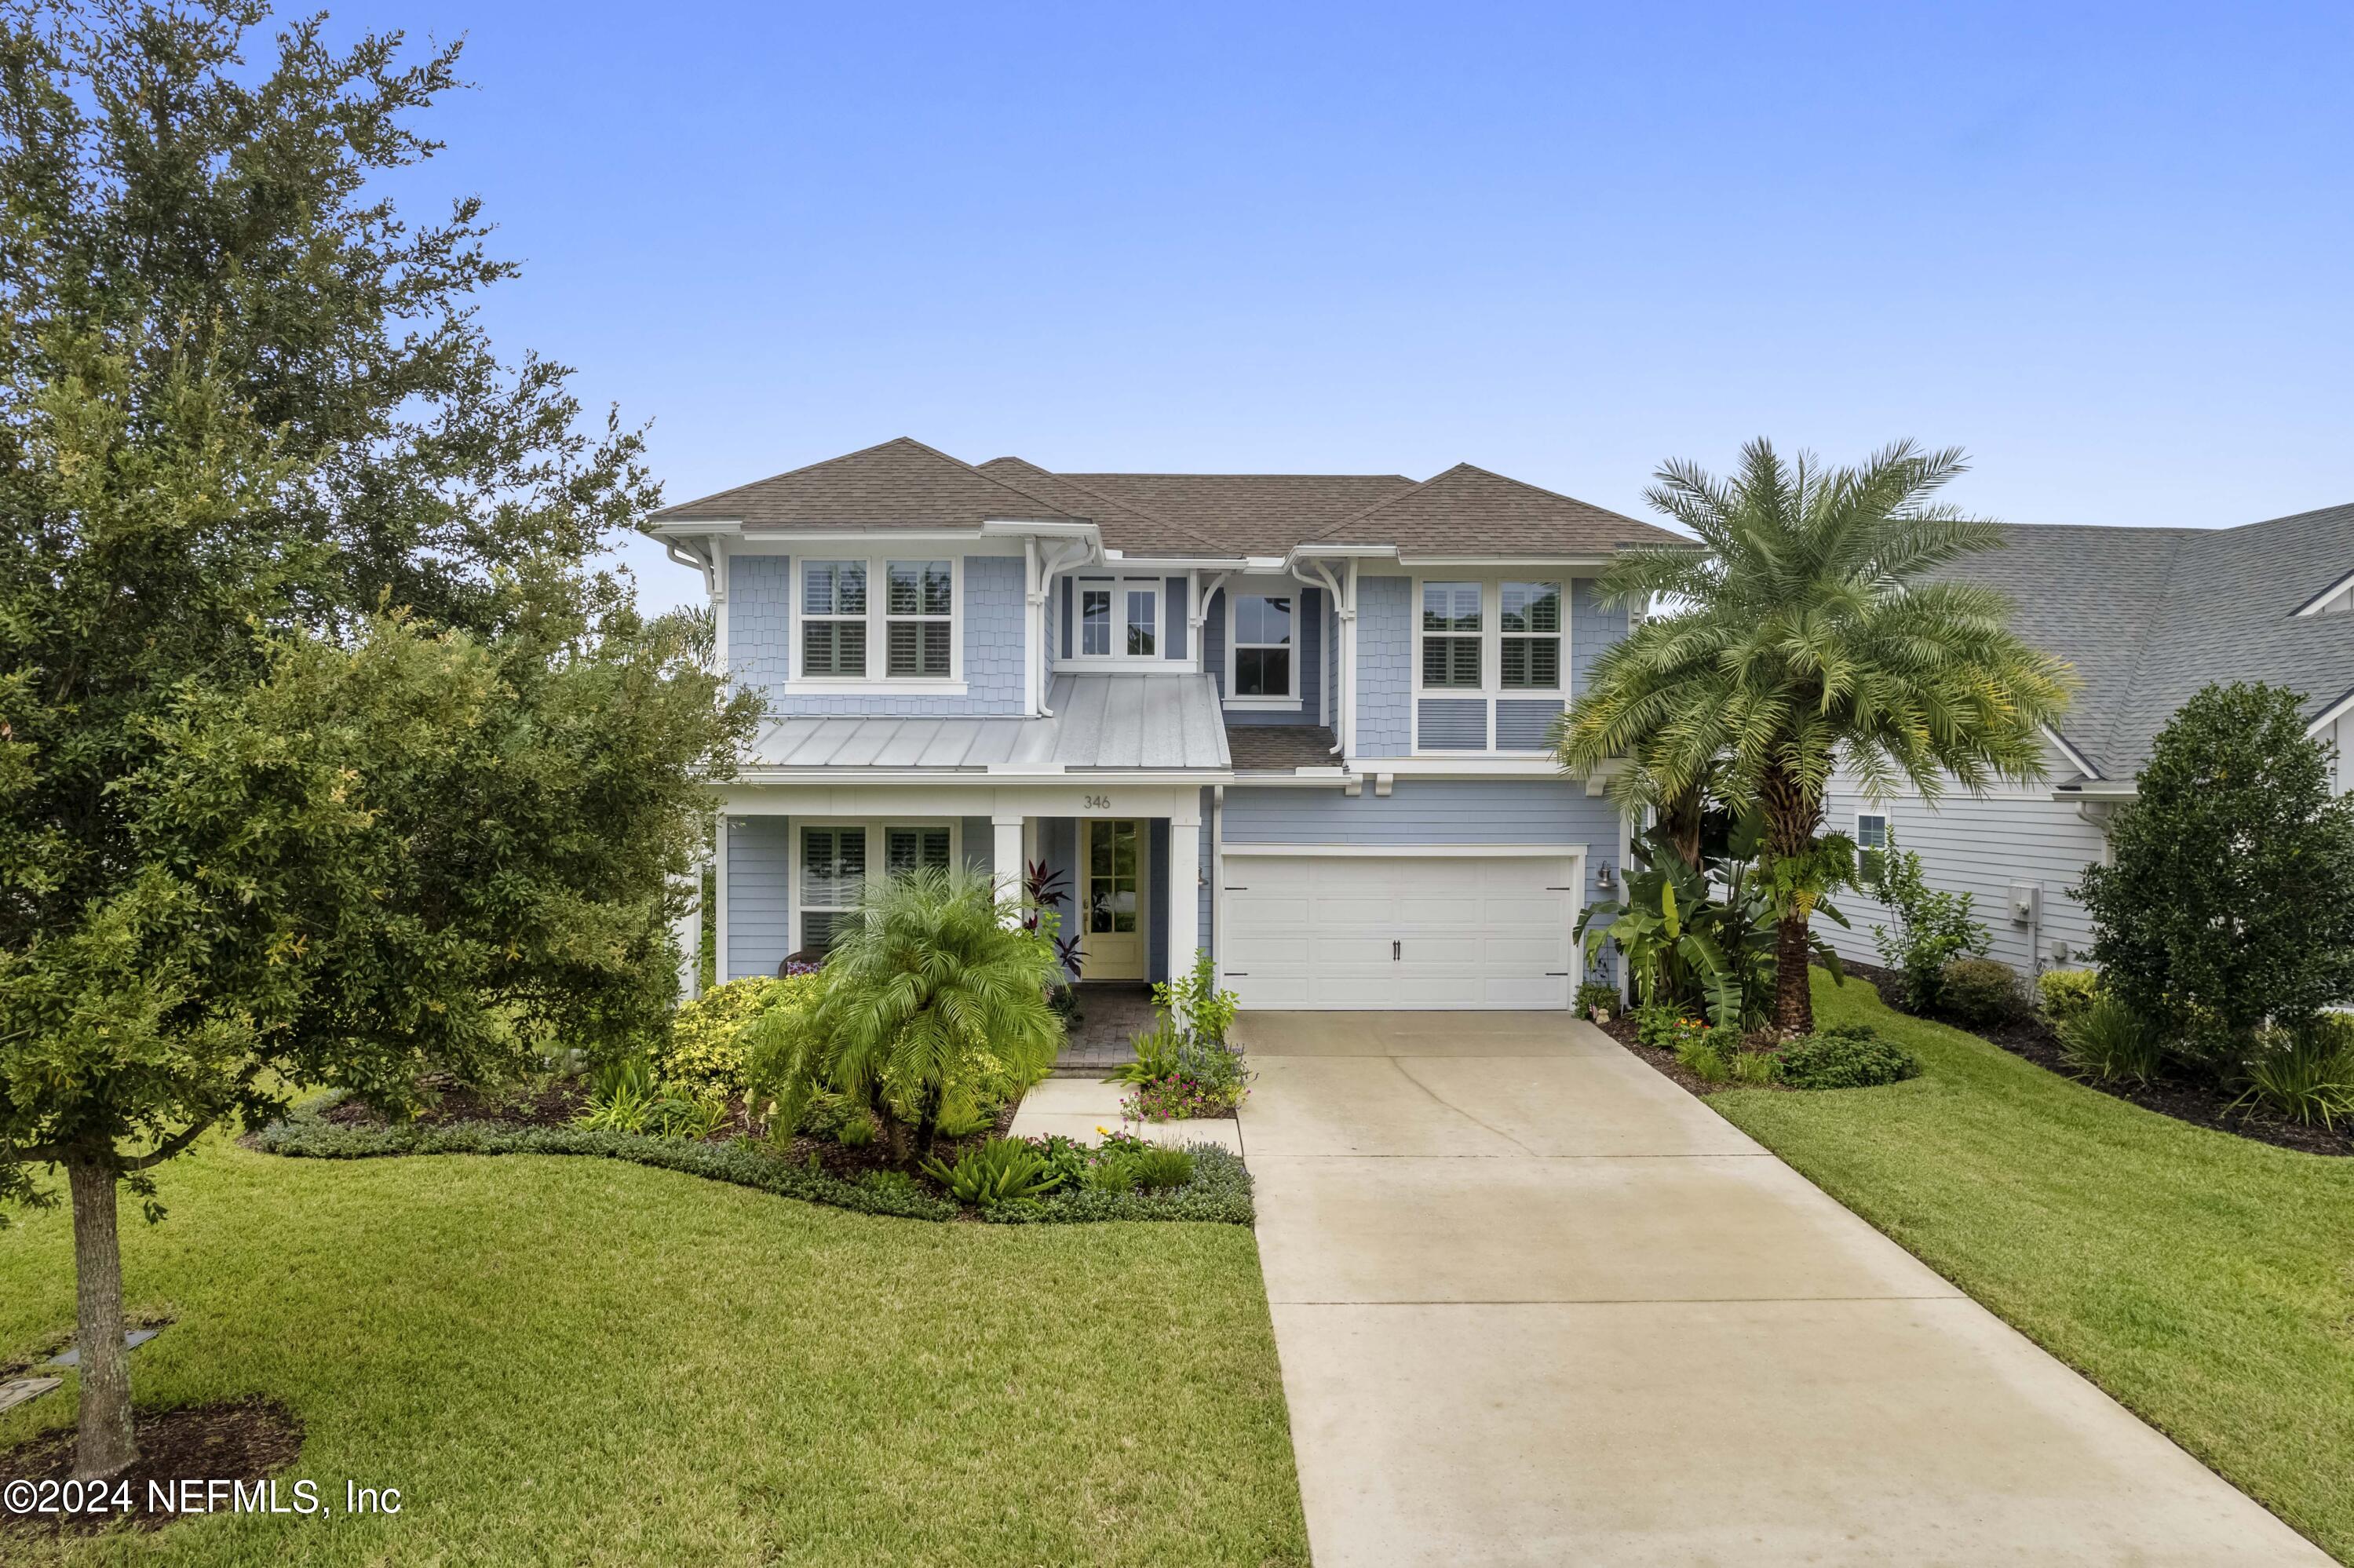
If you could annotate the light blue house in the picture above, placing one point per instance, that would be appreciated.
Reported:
(1298, 720)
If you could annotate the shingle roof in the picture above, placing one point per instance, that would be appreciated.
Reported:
(1099, 724)
(2148, 616)
(1249, 513)
(901, 483)
(904, 483)
(1472, 510)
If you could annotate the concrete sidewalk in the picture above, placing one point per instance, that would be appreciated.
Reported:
(1537, 1305)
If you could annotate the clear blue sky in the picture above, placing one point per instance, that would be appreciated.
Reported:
(2108, 250)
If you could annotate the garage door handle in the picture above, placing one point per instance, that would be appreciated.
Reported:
(1561, 890)
(1557, 974)
(1232, 888)
(1397, 951)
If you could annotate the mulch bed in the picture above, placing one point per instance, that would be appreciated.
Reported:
(1622, 1029)
(249, 1440)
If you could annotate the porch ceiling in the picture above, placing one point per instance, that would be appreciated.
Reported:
(1099, 723)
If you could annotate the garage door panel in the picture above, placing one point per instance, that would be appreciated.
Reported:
(1317, 931)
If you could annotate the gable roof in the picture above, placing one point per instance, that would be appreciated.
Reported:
(2148, 616)
(1473, 511)
(904, 484)
(900, 484)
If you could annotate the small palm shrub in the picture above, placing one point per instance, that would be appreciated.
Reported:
(1846, 1056)
(2305, 1075)
(2108, 1041)
(1002, 1171)
(2063, 994)
(1979, 990)
(927, 1000)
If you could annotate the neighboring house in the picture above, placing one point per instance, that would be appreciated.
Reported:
(1300, 720)
(2147, 617)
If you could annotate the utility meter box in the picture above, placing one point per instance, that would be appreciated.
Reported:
(2026, 900)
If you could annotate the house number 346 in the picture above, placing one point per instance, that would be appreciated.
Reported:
(1098, 802)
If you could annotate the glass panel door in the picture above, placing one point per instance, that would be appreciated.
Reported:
(1112, 902)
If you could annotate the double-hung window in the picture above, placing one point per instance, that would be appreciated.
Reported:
(833, 872)
(1453, 624)
(1119, 618)
(1263, 665)
(919, 618)
(1528, 654)
(833, 620)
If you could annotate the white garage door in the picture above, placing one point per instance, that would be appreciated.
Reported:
(1406, 931)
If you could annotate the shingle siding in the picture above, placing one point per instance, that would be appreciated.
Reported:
(1384, 666)
(1592, 630)
(761, 641)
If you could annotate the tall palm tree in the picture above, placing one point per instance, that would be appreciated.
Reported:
(1805, 636)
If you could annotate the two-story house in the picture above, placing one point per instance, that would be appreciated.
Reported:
(1298, 720)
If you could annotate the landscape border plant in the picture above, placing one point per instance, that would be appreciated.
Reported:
(1220, 1192)
(1933, 928)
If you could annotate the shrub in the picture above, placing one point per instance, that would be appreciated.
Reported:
(2231, 899)
(1755, 1068)
(1846, 1056)
(1002, 1171)
(2064, 994)
(2107, 1040)
(1696, 1049)
(926, 1001)
(1220, 1191)
(2305, 1075)
(1933, 928)
(706, 1048)
(1596, 996)
(1979, 990)
(1194, 1002)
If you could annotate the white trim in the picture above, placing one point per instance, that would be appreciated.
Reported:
(873, 828)
(2313, 606)
(844, 777)
(2332, 714)
(719, 974)
(1415, 852)
(878, 631)
(1287, 701)
(1159, 659)
(2082, 763)
(1490, 690)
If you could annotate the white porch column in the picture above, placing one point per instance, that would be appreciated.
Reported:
(1184, 887)
(687, 933)
(1005, 857)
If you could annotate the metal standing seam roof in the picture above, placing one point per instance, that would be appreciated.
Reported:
(1100, 723)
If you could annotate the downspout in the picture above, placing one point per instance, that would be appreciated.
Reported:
(1034, 630)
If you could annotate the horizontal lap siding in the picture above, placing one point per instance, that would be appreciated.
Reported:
(760, 913)
(1980, 847)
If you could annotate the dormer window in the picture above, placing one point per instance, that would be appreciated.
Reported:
(1119, 618)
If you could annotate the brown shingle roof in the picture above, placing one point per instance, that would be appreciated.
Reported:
(1472, 511)
(904, 483)
(1249, 513)
(901, 483)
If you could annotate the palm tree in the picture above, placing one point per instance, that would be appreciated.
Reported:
(927, 980)
(1806, 635)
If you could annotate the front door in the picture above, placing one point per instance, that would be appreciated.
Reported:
(1112, 900)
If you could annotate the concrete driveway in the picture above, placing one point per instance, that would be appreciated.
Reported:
(1537, 1305)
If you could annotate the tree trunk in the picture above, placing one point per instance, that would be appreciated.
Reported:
(1794, 1005)
(104, 1446)
(1792, 818)
(1680, 815)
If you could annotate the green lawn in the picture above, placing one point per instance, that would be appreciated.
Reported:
(2204, 1280)
(584, 1360)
